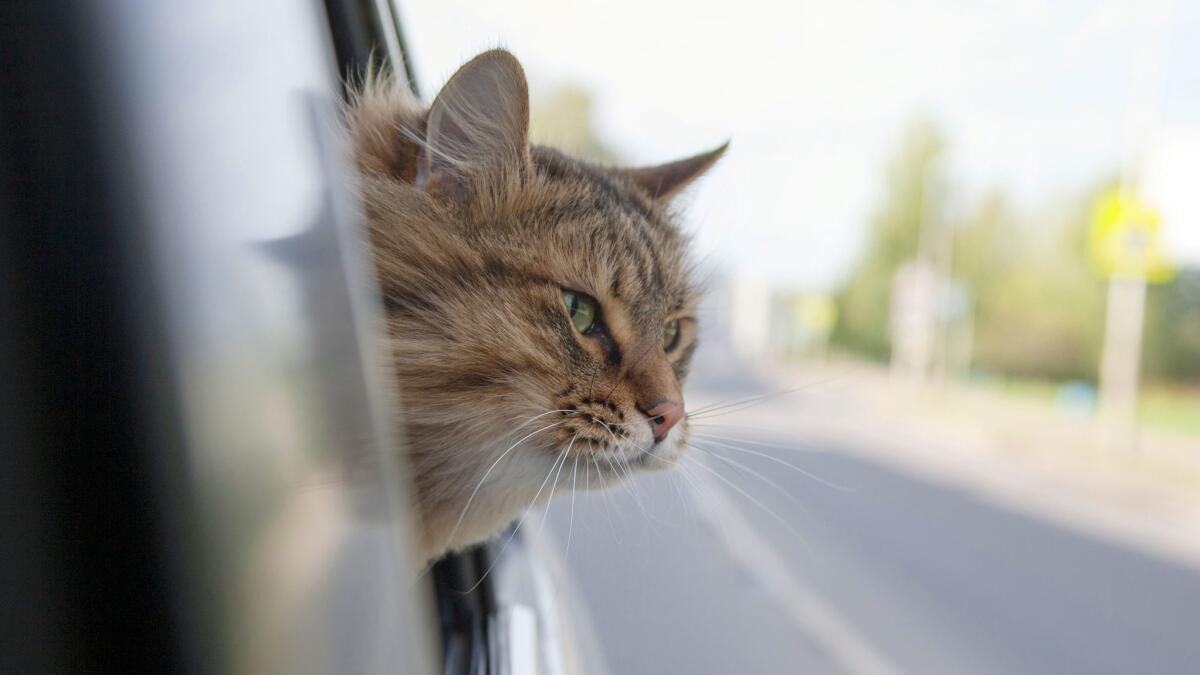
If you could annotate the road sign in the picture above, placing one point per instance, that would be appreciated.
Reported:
(1125, 240)
(1126, 247)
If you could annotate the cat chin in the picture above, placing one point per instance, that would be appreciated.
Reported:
(621, 464)
(647, 456)
(494, 510)
(665, 454)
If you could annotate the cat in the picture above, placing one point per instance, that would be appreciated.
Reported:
(541, 310)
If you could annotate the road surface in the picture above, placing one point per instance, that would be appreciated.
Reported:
(683, 574)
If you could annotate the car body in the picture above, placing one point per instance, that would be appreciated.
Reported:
(199, 470)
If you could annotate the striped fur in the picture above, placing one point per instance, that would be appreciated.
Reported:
(473, 248)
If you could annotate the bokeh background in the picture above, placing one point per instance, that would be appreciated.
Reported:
(969, 142)
(952, 341)
(945, 415)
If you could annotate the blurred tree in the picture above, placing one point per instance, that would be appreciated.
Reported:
(564, 119)
(986, 245)
(911, 212)
(1039, 307)
(1172, 342)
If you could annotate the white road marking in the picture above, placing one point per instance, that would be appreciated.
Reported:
(807, 611)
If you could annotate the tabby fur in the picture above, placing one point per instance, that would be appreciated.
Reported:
(476, 233)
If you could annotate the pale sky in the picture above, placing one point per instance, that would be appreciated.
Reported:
(1038, 98)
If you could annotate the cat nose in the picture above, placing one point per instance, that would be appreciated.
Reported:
(663, 415)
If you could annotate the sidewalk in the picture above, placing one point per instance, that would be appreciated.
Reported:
(1028, 456)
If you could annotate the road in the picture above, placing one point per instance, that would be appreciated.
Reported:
(884, 573)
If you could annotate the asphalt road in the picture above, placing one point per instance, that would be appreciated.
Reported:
(893, 574)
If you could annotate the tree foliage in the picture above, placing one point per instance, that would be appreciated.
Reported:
(915, 192)
(1172, 343)
(1038, 306)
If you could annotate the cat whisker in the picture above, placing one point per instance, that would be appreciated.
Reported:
(735, 405)
(616, 443)
(531, 419)
(686, 496)
(458, 523)
(753, 500)
(705, 436)
(686, 472)
(604, 485)
(618, 472)
(698, 487)
(672, 477)
(553, 487)
(732, 402)
(608, 507)
(470, 146)
(782, 462)
(636, 490)
(757, 474)
(622, 424)
(520, 521)
(741, 406)
(596, 419)
(726, 425)
(571, 521)
(623, 470)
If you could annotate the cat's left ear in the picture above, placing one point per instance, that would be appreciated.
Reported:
(664, 181)
(478, 125)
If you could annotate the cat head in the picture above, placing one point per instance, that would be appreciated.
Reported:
(541, 310)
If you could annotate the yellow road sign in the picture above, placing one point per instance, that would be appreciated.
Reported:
(1125, 242)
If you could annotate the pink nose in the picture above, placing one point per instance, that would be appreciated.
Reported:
(663, 416)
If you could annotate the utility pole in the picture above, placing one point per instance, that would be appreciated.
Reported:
(1125, 243)
(1120, 365)
(1126, 248)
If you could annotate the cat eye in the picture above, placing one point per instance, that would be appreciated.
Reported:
(670, 335)
(582, 310)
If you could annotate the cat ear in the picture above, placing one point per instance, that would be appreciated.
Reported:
(478, 123)
(664, 181)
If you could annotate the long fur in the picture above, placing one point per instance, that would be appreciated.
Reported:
(473, 282)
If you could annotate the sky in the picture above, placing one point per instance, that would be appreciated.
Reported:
(1037, 98)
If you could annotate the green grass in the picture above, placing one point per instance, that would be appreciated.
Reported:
(1172, 409)
(1030, 389)
(1169, 408)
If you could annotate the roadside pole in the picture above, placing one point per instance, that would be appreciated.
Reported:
(1120, 364)
(1125, 242)
(1125, 247)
